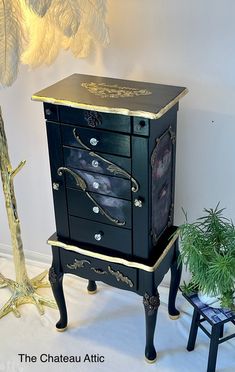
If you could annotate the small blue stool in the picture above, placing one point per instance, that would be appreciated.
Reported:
(216, 317)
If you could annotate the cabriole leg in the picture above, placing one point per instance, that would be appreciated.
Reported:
(56, 280)
(176, 270)
(151, 303)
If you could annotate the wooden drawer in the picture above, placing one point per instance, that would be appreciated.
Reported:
(94, 119)
(86, 160)
(102, 235)
(102, 184)
(97, 140)
(80, 205)
(117, 275)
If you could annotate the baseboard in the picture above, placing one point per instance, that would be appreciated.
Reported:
(38, 259)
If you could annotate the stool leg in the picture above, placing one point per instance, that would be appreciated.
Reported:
(215, 335)
(151, 304)
(176, 270)
(193, 330)
(56, 280)
(221, 331)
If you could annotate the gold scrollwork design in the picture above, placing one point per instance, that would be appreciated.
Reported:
(112, 167)
(113, 90)
(99, 271)
(83, 185)
(120, 277)
(78, 264)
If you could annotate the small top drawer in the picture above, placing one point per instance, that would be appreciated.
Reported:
(96, 140)
(94, 119)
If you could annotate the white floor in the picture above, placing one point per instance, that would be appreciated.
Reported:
(109, 324)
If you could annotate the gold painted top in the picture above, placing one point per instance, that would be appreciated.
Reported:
(118, 260)
(110, 95)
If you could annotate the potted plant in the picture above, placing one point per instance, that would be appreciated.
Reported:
(208, 251)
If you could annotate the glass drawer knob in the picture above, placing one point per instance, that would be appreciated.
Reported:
(96, 185)
(93, 141)
(48, 112)
(98, 236)
(96, 209)
(138, 203)
(95, 163)
(56, 186)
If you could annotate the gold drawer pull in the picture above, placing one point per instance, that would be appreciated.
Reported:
(83, 185)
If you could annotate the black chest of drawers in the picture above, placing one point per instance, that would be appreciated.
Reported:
(112, 156)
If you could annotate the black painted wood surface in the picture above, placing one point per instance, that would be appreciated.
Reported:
(103, 138)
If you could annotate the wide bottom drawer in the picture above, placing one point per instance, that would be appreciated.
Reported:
(95, 269)
(99, 234)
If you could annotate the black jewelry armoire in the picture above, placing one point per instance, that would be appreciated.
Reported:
(112, 155)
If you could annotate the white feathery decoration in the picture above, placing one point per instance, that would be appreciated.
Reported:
(11, 40)
(44, 40)
(40, 7)
(49, 25)
(66, 14)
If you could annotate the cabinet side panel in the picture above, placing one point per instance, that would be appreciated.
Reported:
(59, 192)
(162, 173)
(141, 230)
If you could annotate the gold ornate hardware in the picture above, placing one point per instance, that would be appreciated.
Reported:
(55, 186)
(78, 264)
(93, 118)
(151, 303)
(53, 277)
(24, 289)
(170, 218)
(173, 136)
(120, 277)
(138, 203)
(113, 90)
(83, 185)
(99, 271)
(112, 168)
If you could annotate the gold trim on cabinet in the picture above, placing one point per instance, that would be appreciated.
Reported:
(118, 260)
(112, 110)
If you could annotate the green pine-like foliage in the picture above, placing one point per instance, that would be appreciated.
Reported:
(208, 251)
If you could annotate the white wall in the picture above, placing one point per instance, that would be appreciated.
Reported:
(183, 42)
